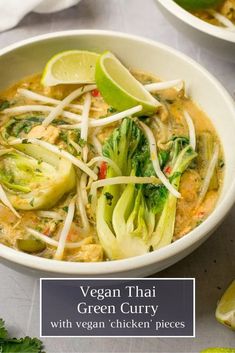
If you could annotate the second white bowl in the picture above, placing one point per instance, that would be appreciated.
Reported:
(217, 39)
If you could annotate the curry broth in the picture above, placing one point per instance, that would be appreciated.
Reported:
(227, 9)
(188, 214)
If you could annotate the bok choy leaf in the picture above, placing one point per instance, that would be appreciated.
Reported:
(134, 219)
(164, 231)
(33, 178)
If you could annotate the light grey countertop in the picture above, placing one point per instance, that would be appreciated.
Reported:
(213, 264)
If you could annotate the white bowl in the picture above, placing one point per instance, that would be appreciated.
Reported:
(217, 39)
(27, 57)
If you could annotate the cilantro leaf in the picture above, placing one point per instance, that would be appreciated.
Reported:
(22, 345)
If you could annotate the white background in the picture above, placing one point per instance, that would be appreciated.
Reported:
(213, 264)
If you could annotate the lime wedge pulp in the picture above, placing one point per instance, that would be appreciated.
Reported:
(225, 312)
(70, 67)
(119, 87)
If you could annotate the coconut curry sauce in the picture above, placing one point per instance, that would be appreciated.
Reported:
(226, 9)
(166, 126)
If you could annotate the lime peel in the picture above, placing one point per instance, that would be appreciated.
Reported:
(225, 312)
(218, 350)
(119, 88)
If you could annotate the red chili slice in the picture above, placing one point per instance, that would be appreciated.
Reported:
(103, 170)
(168, 170)
(95, 93)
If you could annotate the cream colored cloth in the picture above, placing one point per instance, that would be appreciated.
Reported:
(12, 11)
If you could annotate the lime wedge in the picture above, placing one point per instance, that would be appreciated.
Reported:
(218, 350)
(225, 312)
(119, 88)
(72, 66)
(198, 4)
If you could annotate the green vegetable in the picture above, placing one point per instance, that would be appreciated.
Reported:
(65, 209)
(31, 245)
(178, 144)
(32, 185)
(21, 345)
(126, 226)
(18, 127)
(111, 110)
(4, 104)
(63, 136)
(155, 196)
(21, 125)
(69, 137)
(3, 330)
(122, 145)
(206, 146)
(198, 4)
(141, 221)
(165, 228)
(132, 222)
(109, 198)
(122, 148)
(163, 157)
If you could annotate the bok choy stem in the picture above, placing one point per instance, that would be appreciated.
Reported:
(164, 231)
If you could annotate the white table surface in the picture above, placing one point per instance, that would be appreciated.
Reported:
(213, 264)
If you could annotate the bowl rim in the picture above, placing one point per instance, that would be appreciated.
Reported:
(197, 235)
(195, 22)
